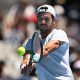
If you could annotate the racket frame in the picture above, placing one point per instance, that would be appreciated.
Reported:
(40, 39)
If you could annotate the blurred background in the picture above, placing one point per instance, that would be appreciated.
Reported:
(18, 21)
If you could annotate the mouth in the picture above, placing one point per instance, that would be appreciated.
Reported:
(43, 27)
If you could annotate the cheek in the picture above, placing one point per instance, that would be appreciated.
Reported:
(49, 23)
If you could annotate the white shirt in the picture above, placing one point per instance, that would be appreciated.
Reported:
(56, 64)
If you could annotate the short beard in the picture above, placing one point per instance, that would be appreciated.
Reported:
(45, 32)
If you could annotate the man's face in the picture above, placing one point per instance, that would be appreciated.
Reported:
(45, 21)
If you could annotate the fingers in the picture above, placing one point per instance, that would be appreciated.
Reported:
(28, 69)
(45, 52)
(22, 66)
(33, 64)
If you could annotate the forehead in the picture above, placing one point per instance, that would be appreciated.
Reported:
(44, 14)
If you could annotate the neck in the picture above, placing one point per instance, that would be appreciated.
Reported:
(45, 33)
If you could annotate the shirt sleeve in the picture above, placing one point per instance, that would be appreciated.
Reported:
(60, 35)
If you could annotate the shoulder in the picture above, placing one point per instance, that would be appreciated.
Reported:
(58, 34)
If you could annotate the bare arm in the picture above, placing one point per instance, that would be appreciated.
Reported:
(50, 46)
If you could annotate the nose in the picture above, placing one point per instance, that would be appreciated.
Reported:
(43, 21)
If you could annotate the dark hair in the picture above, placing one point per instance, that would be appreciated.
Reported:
(53, 17)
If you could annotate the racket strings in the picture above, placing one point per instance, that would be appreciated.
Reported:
(36, 46)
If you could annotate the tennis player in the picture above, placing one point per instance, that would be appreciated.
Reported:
(55, 62)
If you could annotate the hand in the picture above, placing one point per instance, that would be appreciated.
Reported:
(45, 52)
(26, 60)
(27, 67)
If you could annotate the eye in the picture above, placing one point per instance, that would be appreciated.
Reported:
(44, 18)
(47, 19)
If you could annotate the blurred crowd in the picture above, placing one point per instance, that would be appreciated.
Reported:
(19, 22)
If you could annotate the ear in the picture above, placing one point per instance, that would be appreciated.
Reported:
(54, 21)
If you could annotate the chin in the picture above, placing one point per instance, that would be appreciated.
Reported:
(43, 29)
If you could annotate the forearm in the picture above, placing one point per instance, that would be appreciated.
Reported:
(50, 46)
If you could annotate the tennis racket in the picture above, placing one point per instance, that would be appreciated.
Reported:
(36, 47)
(35, 54)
